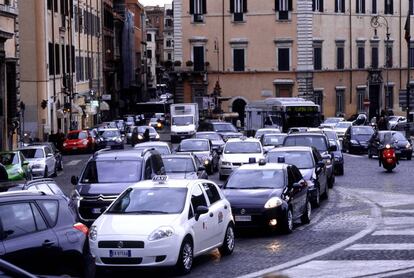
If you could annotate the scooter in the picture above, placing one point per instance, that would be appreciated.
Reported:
(387, 157)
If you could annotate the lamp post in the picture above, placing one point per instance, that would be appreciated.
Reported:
(380, 21)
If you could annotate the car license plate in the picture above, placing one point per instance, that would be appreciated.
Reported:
(243, 218)
(97, 210)
(74, 148)
(120, 253)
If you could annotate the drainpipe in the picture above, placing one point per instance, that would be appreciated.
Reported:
(350, 53)
(223, 36)
(400, 45)
(54, 70)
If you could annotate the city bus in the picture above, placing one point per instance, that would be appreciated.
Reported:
(150, 108)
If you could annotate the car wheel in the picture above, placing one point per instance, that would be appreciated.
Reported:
(55, 171)
(185, 258)
(326, 193)
(317, 201)
(341, 170)
(306, 216)
(331, 181)
(228, 242)
(60, 165)
(287, 226)
(46, 174)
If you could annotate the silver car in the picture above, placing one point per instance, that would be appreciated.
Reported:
(41, 160)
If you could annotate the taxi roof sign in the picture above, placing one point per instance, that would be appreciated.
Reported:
(160, 178)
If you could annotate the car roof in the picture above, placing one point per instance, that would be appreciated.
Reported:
(291, 148)
(176, 183)
(110, 129)
(184, 155)
(275, 134)
(249, 139)
(267, 166)
(206, 132)
(302, 134)
(152, 143)
(195, 139)
(31, 147)
(116, 155)
(24, 195)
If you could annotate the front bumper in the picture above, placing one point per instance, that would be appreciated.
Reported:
(38, 172)
(80, 147)
(359, 147)
(162, 252)
(259, 216)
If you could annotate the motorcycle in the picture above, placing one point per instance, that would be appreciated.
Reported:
(387, 157)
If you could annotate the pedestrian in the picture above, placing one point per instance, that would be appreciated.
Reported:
(146, 135)
(382, 121)
(60, 138)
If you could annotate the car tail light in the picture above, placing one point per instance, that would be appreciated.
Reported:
(81, 227)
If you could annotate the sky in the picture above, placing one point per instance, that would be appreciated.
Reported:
(155, 2)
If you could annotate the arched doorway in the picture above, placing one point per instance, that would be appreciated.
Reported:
(238, 106)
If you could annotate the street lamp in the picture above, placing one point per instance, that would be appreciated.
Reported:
(379, 21)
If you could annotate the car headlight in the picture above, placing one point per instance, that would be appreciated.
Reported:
(93, 233)
(140, 137)
(85, 142)
(206, 161)
(157, 136)
(160, 233)
(408, 146)
(273, 202)
(225, 163)
(65, 144)
(355, 142)
(118, 140)
(159, 125)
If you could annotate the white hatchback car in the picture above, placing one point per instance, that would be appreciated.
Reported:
(163, 223)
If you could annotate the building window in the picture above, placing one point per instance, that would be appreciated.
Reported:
(340, 57)
(360, 6)
(317, 58)
(360, 100)
(168, 43)
(374, 57)
(149, 53)
(169, 57)
(388, 56)
(198, 57)
(374, 6)
(389, 96)
(198, 8)
(149, 38)
(49, 4)
(238, 59)
(340, 101)
(283, 9)
(55, 5)
(317, 6)
(339, 6)
(283, 59)
(389, 7)
(411, 57)
(361, 57)
(411, 9)
(238, 8)
(57, 59)
(318, 98)
(51, 54)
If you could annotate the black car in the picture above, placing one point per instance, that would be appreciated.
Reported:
(277, 198)
(110, 137)
(184, 166)
(225, 129)
(202, 149)
(56, 153)
(45, 185)
(321, 143)
(108, 173)
(310, 164)
(272, 140)
(137, 135)
(39, 234)
(356, 139)
(403, 147)
(216, 140)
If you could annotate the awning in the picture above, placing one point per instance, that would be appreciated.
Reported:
(283, 82)
(104, 106)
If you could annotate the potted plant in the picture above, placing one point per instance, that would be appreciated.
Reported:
(207, 64)
(168, 64)
(189, 63)
(177, 63)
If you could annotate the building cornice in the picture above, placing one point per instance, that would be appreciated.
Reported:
(5, 35)
(8, 11)
(198, 39)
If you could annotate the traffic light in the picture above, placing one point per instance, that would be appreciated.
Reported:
(43, 104)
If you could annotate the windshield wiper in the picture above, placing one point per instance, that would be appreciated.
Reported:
(258, 187)
(146, 212)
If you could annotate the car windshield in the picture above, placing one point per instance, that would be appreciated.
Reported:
(242, 147)
(109, 133)
(224, 127)
(194, 146)
(330, 134)
(33, 153)
(103, 171)
(399, 136)
(386, 137)
(393, 118)
(130, 119)
(343, 125)
(362, 130)
(178, 164)
(9, 158)
(331, 121)
(242, 179)
(211, 136)
(159, 200)
(160, 149)
(301, 159)
(260, 132)
(185, 120)
(273, 140)
(77, 135)
(142, 129)
(309, 141)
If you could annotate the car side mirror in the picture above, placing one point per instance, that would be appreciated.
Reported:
(201, 168)
(333, 148)
(25, 163)
(296, 185)
(49, 155)
(74, 180)
(199, 211)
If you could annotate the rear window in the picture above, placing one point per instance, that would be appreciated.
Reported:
(51, 207)
(77, 135)
(318, 142)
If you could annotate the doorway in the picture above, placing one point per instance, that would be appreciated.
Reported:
(374, 101)
(239, 106)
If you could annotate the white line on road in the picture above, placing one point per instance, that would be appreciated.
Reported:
(355, 155)
(347, 269)
(73, 162)
(393, 221)
(382, 246)
(400, 210)
(404, 232)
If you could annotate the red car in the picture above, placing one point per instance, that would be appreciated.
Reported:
(79, 140)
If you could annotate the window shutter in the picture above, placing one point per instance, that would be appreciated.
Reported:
(321, 5)
(343, 6)
(283, 59)
(245, 6)
(336, 5)
(290, 5)
(238, 59)
(358, 8)
(192, 6)
(204, 11)
(363, 6)
(232, 6)
(277, 5)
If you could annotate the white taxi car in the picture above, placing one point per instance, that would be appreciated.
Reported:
(163, 223)
(239, 151)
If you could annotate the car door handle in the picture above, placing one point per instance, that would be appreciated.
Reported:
(225, 207)
(211, 214)
(48, 243)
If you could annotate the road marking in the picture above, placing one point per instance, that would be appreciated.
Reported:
(385, 199)
(400, 210)
(382, 246)
(403, 232)
(346, 269)
(73, 162)
(355, 155)
(393, 221)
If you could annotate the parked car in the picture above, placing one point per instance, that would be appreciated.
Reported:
(272, 140)
(356, 139)
(16, 165)
(106, 174)
(341, 128)
(41, 160)
(184, 166)
(45, 185)
(110, 137)
(402, 147)
(394, 121)
(216, 140)
(39, 234)
(225, 129)
(56, 153)
(277, 198)
(202, 149)
(262, 131)
(161, 147)
(79, 140)
(310, 164)
(183, 219)
(138, 134)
